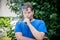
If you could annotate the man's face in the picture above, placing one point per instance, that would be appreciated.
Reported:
(27, 13)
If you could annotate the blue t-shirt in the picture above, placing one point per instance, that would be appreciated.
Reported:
(39, 25)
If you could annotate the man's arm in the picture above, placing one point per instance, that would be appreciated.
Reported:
(38, 35)
(20, 37)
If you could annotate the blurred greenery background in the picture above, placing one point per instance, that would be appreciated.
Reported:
(44, 9)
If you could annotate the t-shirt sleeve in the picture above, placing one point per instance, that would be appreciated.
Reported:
(42, 27)
(17, 27)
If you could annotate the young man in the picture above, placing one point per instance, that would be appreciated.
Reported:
(30, 28)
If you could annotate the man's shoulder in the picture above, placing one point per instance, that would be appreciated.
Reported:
(19, 22)
(41, 21)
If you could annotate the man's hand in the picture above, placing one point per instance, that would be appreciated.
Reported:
(27, 20)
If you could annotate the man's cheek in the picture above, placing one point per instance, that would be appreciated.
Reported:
(24, 15)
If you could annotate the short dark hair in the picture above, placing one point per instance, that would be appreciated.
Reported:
(27, 5)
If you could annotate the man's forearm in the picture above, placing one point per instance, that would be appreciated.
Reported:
(25, 38)
(35, 33)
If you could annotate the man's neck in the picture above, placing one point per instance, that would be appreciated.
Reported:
(32, 19)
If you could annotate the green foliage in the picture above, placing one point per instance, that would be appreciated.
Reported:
(15, 5)
(11, 34)
(5, 38)
(4, 28)
(4, 22)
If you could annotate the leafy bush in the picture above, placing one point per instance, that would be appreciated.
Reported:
(4, 28)
(4, 22)
(11, 34)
